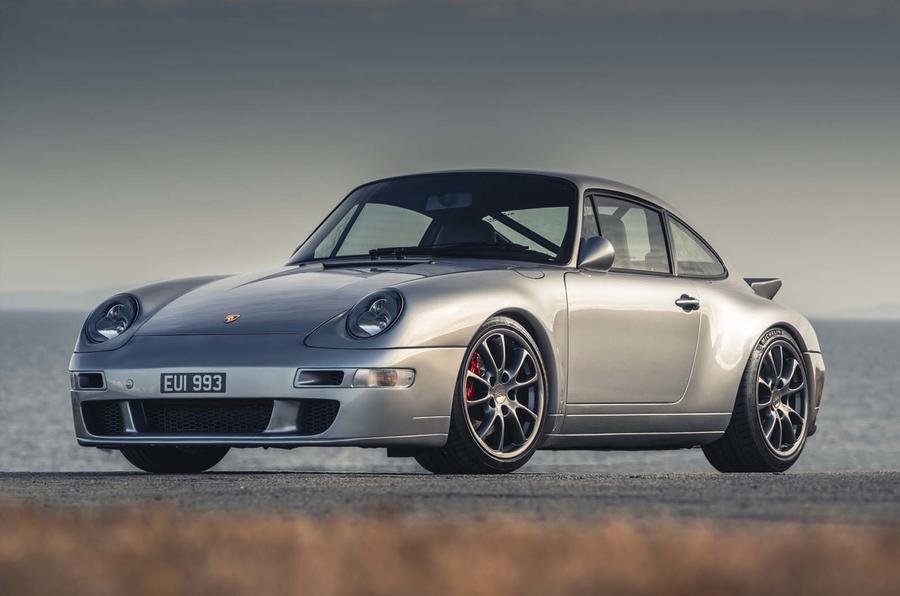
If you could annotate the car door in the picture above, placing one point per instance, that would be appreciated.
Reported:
(633, 330)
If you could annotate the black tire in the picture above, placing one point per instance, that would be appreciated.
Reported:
(744, 447)
(435, 461)
(463, 452)
(174, 460)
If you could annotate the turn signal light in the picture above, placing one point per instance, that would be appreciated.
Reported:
(384, 377)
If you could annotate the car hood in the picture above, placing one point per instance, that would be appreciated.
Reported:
(287, 300)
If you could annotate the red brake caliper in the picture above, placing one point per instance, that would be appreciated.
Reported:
(474, 367)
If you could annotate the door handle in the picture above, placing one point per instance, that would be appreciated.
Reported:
(687, 303)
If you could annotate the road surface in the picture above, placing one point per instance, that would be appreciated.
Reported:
(859, 497)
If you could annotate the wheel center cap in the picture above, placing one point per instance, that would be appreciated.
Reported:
(500, 395)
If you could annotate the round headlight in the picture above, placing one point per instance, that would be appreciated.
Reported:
(112, 318)
(375, 314)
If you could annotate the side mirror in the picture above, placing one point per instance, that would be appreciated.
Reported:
(597, 254)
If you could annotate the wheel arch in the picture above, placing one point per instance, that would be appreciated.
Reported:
(555, 375)
(792, 331)
(739, 448)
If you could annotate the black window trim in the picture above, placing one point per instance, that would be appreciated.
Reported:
(670, 216)
(621, 196)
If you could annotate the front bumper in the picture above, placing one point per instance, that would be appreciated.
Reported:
(263, 367)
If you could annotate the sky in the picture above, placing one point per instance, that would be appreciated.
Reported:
(146, 140)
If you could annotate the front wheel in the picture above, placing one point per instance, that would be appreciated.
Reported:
(499, 406)
(768, 427)
(174, 460)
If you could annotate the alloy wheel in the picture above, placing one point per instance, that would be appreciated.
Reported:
(782, 398)
(503, 393)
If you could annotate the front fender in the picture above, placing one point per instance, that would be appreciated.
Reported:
(446, 311)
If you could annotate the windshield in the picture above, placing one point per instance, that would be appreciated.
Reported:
(477, 215)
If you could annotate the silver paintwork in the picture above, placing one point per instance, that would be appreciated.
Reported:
(627, 367)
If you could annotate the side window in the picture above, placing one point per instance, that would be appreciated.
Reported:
(636, 233)
(692, 257)
(380, 225)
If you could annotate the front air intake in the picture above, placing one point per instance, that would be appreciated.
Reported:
(103, 418)
(204, 416)
(316, 415)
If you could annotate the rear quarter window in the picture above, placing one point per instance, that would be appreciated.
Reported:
(692, 257)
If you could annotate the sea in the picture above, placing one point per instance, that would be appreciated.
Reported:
(859, 423)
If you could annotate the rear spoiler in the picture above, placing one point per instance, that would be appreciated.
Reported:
(766, 287)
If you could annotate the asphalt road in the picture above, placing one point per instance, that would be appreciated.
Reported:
(863, 497)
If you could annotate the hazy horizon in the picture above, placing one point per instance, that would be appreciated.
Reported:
(146, 140)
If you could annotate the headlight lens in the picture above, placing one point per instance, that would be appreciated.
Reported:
(112, 319)
(375, 314)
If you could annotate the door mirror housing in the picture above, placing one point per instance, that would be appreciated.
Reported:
(597, 254)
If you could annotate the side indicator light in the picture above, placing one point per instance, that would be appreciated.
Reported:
(384, 377)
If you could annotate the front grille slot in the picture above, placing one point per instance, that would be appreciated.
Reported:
(103, 418)
(205, 416)
(319, 378)
(316, 415)
(91, 381)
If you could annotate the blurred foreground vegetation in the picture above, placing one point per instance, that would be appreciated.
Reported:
(162, 551)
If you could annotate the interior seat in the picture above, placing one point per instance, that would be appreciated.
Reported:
(613, 229)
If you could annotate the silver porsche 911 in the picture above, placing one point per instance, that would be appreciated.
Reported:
(464, 319)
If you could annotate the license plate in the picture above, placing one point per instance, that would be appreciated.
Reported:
(192, 383)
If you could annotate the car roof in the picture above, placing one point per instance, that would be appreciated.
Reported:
(582, 181)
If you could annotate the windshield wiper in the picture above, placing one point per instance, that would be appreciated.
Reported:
(398, 252)
(508, 249)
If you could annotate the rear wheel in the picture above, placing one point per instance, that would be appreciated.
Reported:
(174, 460)
(499, 406)
(768, 427)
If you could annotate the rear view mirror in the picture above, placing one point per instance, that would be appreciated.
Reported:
(451, 200)
(597, 254)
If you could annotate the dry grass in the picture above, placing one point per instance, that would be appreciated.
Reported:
(161, 551)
